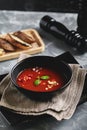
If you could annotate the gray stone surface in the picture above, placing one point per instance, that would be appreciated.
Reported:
(12, 21)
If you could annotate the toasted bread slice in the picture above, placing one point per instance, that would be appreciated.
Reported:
(6, 45)
(17, 42)
(23, 36)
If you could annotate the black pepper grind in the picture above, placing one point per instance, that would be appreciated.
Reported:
(57, 29)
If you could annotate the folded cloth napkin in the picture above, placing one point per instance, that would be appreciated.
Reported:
(62, 106)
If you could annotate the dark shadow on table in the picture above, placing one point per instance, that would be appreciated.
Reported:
(45, 5)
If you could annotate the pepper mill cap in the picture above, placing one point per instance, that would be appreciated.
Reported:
(45, 22)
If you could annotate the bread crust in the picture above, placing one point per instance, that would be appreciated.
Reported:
(15, 41)
(6, 45)
(23, 36)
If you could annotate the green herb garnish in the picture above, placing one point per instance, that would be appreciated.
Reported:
(37, 82)
(44, 77)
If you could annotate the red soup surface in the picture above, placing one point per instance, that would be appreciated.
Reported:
(39, 79)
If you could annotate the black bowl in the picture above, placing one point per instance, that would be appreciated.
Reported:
(47, 62)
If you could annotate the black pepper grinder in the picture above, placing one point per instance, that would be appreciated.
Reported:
(57, 29)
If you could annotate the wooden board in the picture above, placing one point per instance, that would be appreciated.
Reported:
(37, 47)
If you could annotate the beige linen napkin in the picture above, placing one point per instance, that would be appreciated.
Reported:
(62, 106)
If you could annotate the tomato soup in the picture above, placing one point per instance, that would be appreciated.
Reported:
(39, 79)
